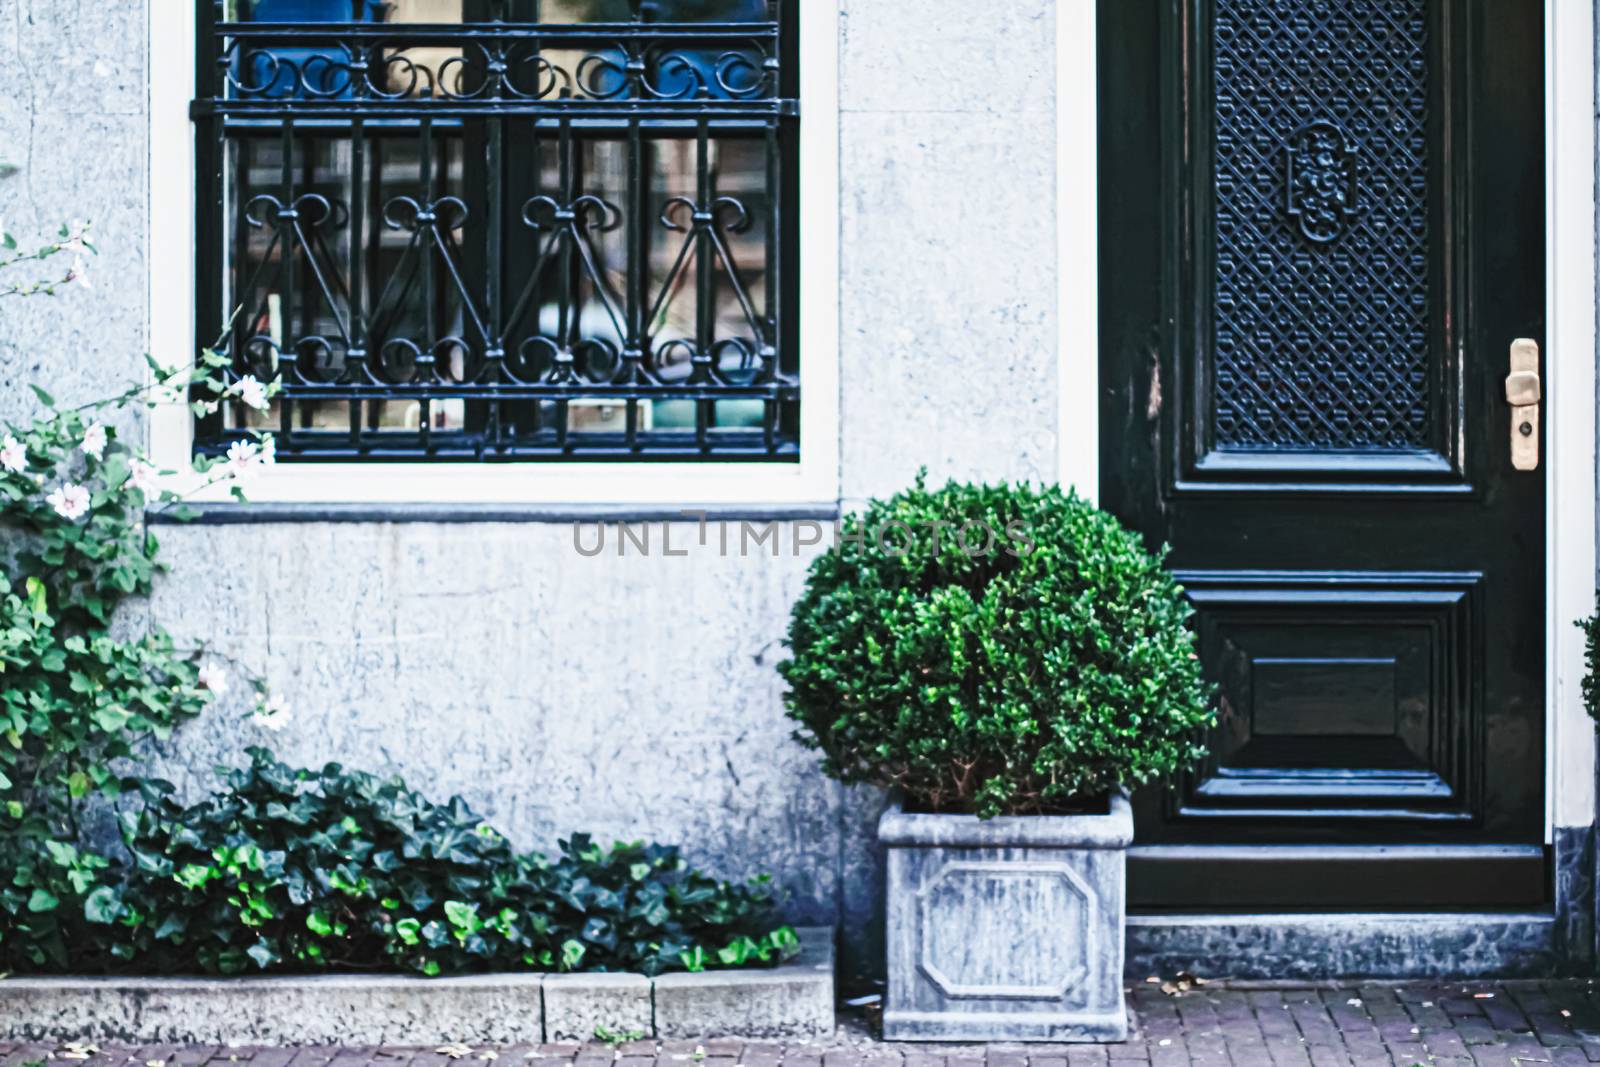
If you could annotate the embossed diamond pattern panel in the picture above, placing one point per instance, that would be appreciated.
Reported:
(1320, 281)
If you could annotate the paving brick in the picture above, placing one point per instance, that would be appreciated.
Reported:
(1169, 1052)
(1476, 1031)
(1288, 1052)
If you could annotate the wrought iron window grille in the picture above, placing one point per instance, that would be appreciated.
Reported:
(502, 238)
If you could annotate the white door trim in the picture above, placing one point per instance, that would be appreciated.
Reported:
(1078, 256)
(813, 480)
(1569, 370)
(1569, 358)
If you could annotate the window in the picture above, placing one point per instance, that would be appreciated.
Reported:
(502, 230)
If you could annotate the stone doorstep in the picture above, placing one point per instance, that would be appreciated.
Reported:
(794, 1000)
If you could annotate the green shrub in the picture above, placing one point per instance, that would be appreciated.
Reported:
(1037, 675)
(296, 870)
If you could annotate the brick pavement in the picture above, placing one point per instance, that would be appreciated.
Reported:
(1387, 1024)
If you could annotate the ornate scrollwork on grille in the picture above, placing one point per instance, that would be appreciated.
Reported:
(1320, 283)
(1320, 173)
(443, 69)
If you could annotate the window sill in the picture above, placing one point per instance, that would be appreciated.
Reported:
(236, 514)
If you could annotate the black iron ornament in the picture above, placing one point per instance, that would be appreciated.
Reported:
(533, 240)
(1320, 180)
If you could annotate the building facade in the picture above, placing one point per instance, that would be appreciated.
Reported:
(1249, 272)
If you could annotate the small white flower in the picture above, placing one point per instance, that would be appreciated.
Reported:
(214, 678)
(252, 392)
(272, 714)
(94, 441)
(80, 273)
(75, 241)
(143, 477)
(13, 457)
(241, 459)
(166, 394)
(70, 501)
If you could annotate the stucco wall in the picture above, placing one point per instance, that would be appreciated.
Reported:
(631, 697)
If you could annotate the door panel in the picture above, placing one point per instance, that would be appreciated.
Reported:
(1343, 697)
(1322, 226)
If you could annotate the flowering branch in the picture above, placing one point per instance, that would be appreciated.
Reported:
(73, 240)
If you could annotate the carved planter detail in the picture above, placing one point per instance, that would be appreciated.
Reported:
(1009, 929)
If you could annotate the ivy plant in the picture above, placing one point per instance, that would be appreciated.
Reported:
(287, 869)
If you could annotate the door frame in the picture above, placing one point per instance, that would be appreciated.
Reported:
(1569, 358)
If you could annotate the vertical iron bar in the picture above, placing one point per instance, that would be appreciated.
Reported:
(566, 324)
(774, 298)
(769, 373)
(787, 195)
(638, 270)
(288, 353)
(494, 345)
(425, 248)
(704, 298)
(356, 358)
(535, 327)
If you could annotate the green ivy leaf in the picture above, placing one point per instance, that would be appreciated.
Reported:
(102, 905)
(111, 717)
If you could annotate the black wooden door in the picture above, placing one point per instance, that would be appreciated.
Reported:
(1321, 229)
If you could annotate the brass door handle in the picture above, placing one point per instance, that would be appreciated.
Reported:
(1523, 393)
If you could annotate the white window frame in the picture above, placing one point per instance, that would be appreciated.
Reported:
(814, 480)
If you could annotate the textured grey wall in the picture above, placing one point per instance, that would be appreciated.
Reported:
(632, 697)
(73, 134)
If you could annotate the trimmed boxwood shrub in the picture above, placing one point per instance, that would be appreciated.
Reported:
(994, 649)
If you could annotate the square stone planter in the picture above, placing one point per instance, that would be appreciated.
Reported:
(1007, 929)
